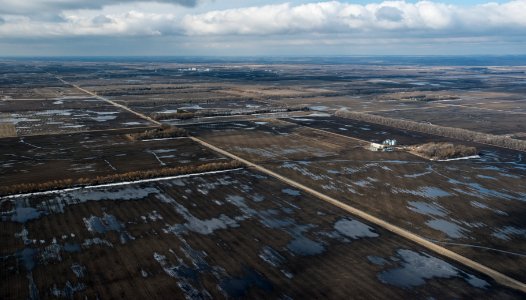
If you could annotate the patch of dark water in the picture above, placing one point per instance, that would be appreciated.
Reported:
(237, 287)
(107, 223)
(379, 261)
(33, 290)
(451, 229)
(23, 214)
(416, 268)
(354, 229)
(291, 192)
(304, 246)
(27, 257)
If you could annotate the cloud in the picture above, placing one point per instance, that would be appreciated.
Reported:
(101, 20)
(334, 16)
(389, 13)
(34, 7)
(330, 20)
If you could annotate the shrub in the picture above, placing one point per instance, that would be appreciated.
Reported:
(165, 131)
(215, 113)
(177, 115)
(444, 150)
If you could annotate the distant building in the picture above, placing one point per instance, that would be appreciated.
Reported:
(376, 147)
(389, 142)
(387, 146)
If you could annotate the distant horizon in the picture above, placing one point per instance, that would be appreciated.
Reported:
(268, 56)
(433, 60)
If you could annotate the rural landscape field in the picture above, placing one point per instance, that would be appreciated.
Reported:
(133, 179)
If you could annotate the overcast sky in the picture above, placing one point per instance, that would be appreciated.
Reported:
(258, 27)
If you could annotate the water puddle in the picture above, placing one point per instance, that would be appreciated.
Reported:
(354, 229)
(416, 268)
(430, 209)
(451, 229)
(291, 192)
(509, 232)
(237, 287)
(426, 192)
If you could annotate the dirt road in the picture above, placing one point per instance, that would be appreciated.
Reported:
(110, 102)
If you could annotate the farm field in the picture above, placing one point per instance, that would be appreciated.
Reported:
(57, 109)
(376, 133)
(238, 234)
(88, 155)
(63, 116)
(488, 121)
(133, 178)
(449, 202)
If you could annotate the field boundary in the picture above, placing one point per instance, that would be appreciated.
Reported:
(497, 276)
(78, 132)
(88, 187)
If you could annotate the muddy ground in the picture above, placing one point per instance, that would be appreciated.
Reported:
(236, 235)
(476, 203)
(88, 155)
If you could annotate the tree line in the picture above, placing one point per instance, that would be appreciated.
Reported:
(451, 132)
(121, 177)
(165, 131)
(185, 115)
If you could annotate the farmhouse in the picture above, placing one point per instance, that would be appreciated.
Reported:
(387, 146)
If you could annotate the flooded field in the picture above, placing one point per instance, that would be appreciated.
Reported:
(482, 120)
(464, 205)
(88, 155)
(237, 234)
(54, 108)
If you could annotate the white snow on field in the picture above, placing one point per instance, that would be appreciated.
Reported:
(165, 139)
(461, 158)
(55, 112)
(319, 114)
(319, 107)
(191, 107)
(158, 159)
(103, 116)
(303, 119)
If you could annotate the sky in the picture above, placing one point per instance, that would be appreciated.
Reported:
(260, 28)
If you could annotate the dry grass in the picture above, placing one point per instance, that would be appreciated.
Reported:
(165, 131)
(7, 130)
